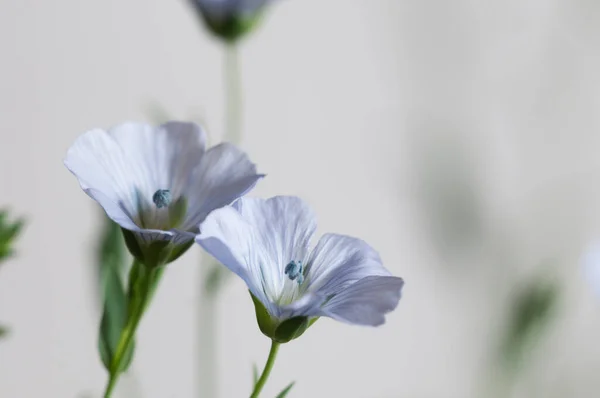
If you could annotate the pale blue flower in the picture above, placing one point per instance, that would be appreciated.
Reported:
(221, 10)
(267, 243)
(159, 182)
(230, 19)
(591, 265)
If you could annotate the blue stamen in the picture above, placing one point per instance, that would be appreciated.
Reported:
(294, 271)
(162, 198)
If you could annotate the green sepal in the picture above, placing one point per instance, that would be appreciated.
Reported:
(179, 250)
(286, 390)
(114, 318)
(156, 253)
(233, 28)
(132, 244)
(266, 323)
(291, 329)
(281, 332)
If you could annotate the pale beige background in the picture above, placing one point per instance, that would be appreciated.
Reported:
(378, 112)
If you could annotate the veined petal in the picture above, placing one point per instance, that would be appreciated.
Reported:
(262, 239)
(231, 240)
(224, 174)
(338, 261)
(124, 167)
(366, 301)
(162, 157)
(100, 166)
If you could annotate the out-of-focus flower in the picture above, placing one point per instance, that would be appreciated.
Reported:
(230, 19)
(159, 183)
(591, 266)
(267, 244)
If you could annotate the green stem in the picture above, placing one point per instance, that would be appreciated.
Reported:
(233, 93)
(141, 291)
(214, 274)
(267, 370)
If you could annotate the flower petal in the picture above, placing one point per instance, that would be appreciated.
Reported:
(225, 173)
(122, 168)
(231, 240)
(259, 241)
(365, 302)
(338, 261)
(100, 166)
(162, 157)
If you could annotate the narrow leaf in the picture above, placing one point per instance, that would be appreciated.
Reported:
(113, 320)
(111, 266)
(286, 390)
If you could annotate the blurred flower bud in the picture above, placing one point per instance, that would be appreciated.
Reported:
(230, 19)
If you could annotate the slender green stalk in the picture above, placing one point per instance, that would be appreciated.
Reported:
(267, 370)
(214, 274)
(140, 300)
(233, 92)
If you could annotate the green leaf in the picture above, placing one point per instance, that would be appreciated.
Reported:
(533, 308)
(114, 318)
(3, 331)
(8, 233)
(111, 260)
(286, 390)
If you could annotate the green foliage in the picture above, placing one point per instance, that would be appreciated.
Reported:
(286, 390)
(111, 260)
(3, 331)
(533, 308)
(8, 233)
(114, 318)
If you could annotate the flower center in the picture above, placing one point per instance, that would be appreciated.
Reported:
(294, 271)
(162, 198)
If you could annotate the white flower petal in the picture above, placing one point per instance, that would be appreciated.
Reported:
(338, 261)
(229, 238)
(122, 168)
(100, 165)
(225, 173)
(261, 240)
(365, 302)
(160, 157)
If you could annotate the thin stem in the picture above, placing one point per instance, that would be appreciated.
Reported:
(267, 370)
(141, 299)
(207, 331)
(214, 274)
(233, 93)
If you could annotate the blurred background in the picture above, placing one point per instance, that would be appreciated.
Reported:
(459, 138)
